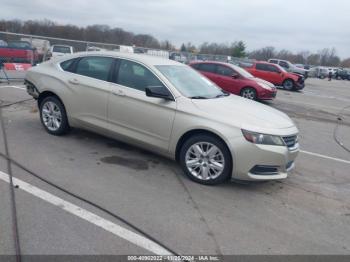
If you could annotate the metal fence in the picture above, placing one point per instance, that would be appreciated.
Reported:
(43, 47)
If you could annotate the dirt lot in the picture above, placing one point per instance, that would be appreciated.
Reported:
(308, 213)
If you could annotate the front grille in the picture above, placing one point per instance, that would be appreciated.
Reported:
(290, 141)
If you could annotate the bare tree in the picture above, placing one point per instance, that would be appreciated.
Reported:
(263, 54)
(345, 63)
(328, 57)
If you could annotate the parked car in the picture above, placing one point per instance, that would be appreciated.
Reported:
(236, 80)
(42, 46)
(61, 50)
(18, 52)
(319, 72)
(167, 107)
(289, 67)
(179, 57)
(277, 75)
(343, 74)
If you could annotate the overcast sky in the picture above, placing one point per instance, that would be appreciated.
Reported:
(296, 25)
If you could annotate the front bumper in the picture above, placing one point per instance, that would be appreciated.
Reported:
(31, 89)
(299, 85)
(267, 94)
(261, 162)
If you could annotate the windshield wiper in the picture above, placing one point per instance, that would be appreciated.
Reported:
(199, 97)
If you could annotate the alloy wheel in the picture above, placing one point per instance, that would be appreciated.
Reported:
(248, 93)
(205, 161)
(51, 115)
(288, 84)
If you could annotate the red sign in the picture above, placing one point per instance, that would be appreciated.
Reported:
(17, 66)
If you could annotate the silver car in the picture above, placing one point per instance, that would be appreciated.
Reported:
(166, 107)
(289, 67)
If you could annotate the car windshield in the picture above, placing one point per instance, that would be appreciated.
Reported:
(241, 71)
(190, 83)
(61, 49)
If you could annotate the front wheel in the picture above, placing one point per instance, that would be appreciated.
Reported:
(288, 84)
(206, 159)
(249, 93)
(53, 116)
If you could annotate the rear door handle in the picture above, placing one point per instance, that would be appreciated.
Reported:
(118, 92)
(74, 81)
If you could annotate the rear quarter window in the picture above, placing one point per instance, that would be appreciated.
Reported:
(195, 66)
(67, 65)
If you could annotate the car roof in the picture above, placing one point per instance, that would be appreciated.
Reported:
(142, 58)
(264, 62)
(278, 59)
(209, 62)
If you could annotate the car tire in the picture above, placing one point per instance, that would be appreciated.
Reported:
(288, 84)
(53, 116)
(212, 169)
(249, 93)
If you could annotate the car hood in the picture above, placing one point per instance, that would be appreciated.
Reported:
(298, 69)
(245, 114)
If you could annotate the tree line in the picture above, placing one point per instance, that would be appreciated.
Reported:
(93, 33)
(116, 35)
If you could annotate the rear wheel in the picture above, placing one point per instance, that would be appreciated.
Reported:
(249, 93)
(53, 116)
(288, 84)
(205, 159)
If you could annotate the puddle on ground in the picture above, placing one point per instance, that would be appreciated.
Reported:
(121, 145)
(133, 163)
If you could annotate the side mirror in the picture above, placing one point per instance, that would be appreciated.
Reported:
(159, 92)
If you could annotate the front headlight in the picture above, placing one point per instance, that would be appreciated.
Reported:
(262, 139)
(265, 86)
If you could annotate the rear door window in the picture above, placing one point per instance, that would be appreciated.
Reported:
(272, 68)
(224, 70)
(207, 67)
(262, 67)
(96, 67)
